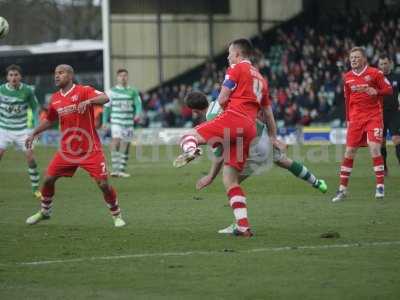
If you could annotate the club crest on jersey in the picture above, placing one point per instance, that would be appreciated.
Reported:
(75, 98)
(367, 78)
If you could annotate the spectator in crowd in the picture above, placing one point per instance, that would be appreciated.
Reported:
(304, 64)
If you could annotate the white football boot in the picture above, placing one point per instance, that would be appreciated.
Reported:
(340, 196)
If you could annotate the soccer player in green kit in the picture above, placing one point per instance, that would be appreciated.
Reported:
(16, 98)
(124, 108)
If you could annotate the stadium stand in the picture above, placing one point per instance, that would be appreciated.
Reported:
(303, 60)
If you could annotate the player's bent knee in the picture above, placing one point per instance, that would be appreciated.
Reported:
(375, 149)
(196, 135)
(29, 156)
(103, 184)
(350, 152)
(283, 163)
(49, 180)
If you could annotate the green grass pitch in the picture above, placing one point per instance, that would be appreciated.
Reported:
(170, 248)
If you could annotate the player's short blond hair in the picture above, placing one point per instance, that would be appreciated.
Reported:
(359, 49)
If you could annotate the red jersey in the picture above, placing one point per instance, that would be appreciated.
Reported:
(360, 105)
(249, 89)
(78, 131)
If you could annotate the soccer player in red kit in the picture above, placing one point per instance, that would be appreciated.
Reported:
(364, 88)
(80, 146)
(243, 94)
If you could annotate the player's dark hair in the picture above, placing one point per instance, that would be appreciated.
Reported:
(384, 56)
(196, 100)
(245, 46)
(359, 49)
(122, 71)
(14, 68)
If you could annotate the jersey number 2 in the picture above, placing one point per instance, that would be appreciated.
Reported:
(257, 89)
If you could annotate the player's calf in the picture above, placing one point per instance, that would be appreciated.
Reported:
(302, 172)
(110, 197)
(237, 201)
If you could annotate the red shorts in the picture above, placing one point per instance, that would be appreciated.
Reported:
(359, 133)
(63, 165)
(234, 132)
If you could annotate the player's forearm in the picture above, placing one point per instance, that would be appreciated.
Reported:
(216, 166)
(270, 121)
(35, 116)
(106, 115)
(138, 106)
(100, 99)
(386, 91)
(46, 124)
(223, 96)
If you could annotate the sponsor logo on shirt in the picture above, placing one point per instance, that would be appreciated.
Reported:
(66, 110)
(74, 98)
(359, 87)
(367, 78)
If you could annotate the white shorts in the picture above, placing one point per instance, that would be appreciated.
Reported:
(16, 137)
(121, 132)
(262, 156)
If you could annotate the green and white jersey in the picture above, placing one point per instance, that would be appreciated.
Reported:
(124, 105)
(14, 105)
(214, 109)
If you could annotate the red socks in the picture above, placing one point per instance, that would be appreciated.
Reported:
(345, 172)
(237, 201)
(188, 143)
(111, 199)
(379, 169)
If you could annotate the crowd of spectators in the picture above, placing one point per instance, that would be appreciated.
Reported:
(303, 65)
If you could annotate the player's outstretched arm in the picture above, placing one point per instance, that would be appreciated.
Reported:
(384, 86)
(46, 124)
(215, 168)
(271, 125)
(100, 99)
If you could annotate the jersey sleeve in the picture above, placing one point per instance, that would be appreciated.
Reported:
(52, 114)
(346, 94)
(383, 84)
(91, 92)
(34, 106)
(109, 103)
(231, 78)
(137, 102)
(32, 100)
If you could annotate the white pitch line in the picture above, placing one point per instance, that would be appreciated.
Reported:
(190, 253)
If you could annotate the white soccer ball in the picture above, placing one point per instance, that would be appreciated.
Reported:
(4, 27)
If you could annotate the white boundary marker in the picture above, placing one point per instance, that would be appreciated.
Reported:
(193, 253)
